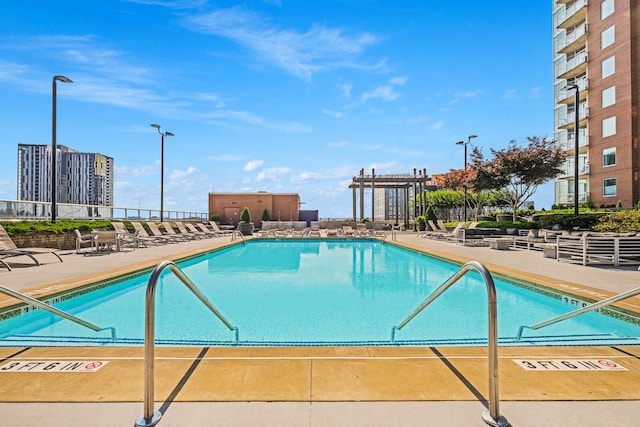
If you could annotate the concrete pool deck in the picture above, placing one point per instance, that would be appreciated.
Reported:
(336, 386)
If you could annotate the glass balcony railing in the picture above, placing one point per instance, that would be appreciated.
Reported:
(23, 210)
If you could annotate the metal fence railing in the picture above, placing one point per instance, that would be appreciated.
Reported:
(41, 211)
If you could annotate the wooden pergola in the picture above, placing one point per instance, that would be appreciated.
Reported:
(400, 182)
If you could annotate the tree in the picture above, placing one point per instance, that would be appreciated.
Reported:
(516, 170)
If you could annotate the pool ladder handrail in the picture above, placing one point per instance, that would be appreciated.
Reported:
(235, 233)
(492, 416)
(151, 418)
(56, 311)
(585, 309)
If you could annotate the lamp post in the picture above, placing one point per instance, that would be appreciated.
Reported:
(469, 138)
(54, 148)
(162, 135)
(576, 148)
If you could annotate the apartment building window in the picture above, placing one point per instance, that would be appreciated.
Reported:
(609, 157)
(607, 7)
(608, 66)
(609, 187)
(608, 96)
(608, 37)
(608, 126)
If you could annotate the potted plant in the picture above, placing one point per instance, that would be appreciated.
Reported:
(245, 226)
(422, 223)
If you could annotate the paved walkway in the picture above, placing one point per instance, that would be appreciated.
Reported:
(329, 386)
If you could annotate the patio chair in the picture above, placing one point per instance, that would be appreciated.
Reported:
(314, 229)
(9, 249)
(82, 239)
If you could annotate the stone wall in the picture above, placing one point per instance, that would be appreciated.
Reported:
(45, 240)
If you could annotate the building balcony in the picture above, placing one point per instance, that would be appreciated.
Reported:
(574, 67)
(567, 199)
(568, 122)
(574, 40)
(568, 172)
(568, 96)
(569, 145)
(572, 15)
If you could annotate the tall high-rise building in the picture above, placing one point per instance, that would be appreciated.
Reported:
(82, 178)
(596, 69)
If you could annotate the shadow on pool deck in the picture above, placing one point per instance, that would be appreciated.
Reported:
(338, 386)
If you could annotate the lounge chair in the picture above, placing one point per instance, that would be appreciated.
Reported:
(200, 226)
(217, 229)
(9, 249)
(131, 239)
(183, 229)
(155, 232)
(314, 229)
(193, 230)
(168, 228)
(144, 235)
(347, 230)
(361, 230)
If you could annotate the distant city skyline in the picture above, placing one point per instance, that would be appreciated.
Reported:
(273, 95)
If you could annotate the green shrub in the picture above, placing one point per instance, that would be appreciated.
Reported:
(620, 222)
(508, 224)
(60, 226)
(245, 216)
(215, 217)
(265, 215)
(569, 221)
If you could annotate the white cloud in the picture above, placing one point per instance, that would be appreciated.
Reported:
(253, 165)
(400, 81)
(437, 125)
(338, 144)
(334, 114)
(346, 88)
(385, 93)
(272, 174)
(301, 54)
(125, 172)
(511, 94)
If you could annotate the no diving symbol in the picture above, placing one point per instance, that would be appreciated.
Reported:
(93, 366)
(608, 364)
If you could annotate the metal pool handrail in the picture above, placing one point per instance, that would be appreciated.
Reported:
(235, 233)
(491, 417)
(585, 309)
(151, 418)
(53, 310)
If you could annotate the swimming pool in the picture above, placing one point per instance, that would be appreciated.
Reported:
(313, 292)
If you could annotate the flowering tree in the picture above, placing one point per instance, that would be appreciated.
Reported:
(518, 171)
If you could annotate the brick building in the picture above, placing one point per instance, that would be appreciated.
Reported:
(279, 206)
(596, 49)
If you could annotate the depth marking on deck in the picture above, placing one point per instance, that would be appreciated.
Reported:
(53, 366)
(570, 365)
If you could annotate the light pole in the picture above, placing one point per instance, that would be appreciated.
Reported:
(162, 135)
(469, 138)
(576, 148)
(54, 147)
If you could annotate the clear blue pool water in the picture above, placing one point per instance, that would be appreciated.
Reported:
(310, 292)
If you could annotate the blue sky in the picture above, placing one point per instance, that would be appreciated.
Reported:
(274, 95)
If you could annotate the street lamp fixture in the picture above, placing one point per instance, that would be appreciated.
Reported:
(576, 129)
(162, 135)
(469, 138)
(54, 147)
